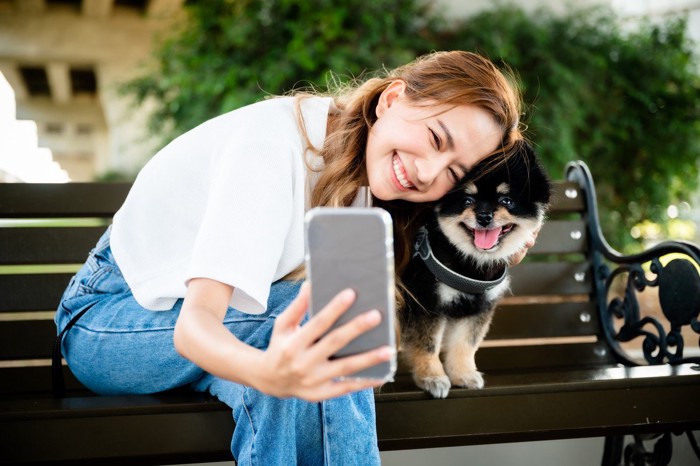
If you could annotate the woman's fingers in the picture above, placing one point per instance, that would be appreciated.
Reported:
(320, 323)
(520, 255)
(338, 338)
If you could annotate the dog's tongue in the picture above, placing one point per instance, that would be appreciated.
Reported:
(487, 238)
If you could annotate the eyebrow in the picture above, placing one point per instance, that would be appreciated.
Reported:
(450, 141)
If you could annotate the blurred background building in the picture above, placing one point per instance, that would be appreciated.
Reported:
(63, 60)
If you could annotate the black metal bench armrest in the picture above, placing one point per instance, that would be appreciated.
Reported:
(671, 266)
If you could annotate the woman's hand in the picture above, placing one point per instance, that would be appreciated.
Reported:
(298, 360)
(520, 255)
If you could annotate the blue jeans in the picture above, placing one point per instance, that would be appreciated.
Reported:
(118, 347)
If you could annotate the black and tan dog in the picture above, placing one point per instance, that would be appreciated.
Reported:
(459, 269)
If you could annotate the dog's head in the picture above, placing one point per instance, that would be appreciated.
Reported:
(495, 208)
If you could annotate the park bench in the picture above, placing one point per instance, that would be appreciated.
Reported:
(574, 352)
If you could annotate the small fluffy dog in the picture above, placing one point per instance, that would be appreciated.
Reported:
(459, 269)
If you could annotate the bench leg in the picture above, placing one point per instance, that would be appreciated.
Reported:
(635, 453)
(612, 453)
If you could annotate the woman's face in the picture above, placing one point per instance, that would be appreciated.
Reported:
(417, 153)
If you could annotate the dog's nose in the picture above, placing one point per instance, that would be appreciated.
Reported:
(484, 218)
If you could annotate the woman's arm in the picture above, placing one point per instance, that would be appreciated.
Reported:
(297, 361)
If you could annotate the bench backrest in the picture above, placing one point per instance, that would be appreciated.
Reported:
(47, 230)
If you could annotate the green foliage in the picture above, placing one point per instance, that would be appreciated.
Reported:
(233, 52)
(628, 103)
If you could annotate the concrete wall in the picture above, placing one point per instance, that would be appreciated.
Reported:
(88, 132)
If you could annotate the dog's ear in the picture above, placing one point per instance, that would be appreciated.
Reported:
(524, 160)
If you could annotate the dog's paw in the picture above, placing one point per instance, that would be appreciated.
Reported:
(438, 386)
(470, 379)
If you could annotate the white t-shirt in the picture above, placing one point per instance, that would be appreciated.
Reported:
(224, 201)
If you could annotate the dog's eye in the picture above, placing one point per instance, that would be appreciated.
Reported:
(506, 201)
(469, 201)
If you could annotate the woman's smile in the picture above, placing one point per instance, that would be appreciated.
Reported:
(402, 177)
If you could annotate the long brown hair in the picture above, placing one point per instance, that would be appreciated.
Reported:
(451, 78)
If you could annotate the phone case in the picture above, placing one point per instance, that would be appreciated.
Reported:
(351, 247)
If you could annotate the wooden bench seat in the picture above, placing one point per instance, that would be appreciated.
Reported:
(555, 362)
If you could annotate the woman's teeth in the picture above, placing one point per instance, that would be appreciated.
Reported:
(398, 171)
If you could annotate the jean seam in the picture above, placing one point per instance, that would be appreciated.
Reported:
(324, 435)
(250, 420)
(116, 332)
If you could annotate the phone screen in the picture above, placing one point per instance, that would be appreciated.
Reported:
(353, 248)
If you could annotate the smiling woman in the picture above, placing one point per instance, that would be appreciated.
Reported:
(230, 312)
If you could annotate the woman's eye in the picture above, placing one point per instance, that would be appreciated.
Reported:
(436, 139)
(454, 176)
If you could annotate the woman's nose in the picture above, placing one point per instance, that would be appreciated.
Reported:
(428, 170)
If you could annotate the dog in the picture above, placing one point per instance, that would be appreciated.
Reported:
(460, 266)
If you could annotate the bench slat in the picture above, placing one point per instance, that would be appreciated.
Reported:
(32, 292)
(561, 237)
(34, 381)
(551, 405)
(33, 339)
(54, 245)
(37, 200)
(562, 278)
(543, 320)
(542, 357)
(26, 339)
(561, 200)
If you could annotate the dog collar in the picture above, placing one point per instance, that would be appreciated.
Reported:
(447, 276)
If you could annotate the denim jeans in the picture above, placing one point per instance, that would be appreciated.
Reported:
(118, 347)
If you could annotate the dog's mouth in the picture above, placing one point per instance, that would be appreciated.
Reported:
(488, 238)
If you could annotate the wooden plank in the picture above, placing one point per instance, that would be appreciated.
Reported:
(115, 438)
(566, 197)
(544, 321)
(551, 278)
(59, 245)
(34, 381)
(570, 404)
(36, 200)
(32, 292)
(542, 357)
(561, 237)
(26, 339)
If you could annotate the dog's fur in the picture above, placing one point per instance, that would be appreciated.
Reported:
(510, 197)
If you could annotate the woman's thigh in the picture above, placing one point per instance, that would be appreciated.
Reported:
(119, 347)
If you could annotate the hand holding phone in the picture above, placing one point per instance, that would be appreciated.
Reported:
(353, 248)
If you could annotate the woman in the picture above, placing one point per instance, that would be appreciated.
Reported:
(196, 281)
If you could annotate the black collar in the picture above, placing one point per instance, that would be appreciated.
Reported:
(448, 277)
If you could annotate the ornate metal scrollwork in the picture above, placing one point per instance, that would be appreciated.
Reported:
(678, 283)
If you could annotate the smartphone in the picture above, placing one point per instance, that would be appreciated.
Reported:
(353, 247)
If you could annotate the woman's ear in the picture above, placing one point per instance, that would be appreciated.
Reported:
(394, 90)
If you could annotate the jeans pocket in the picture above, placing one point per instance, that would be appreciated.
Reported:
(106, 279)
